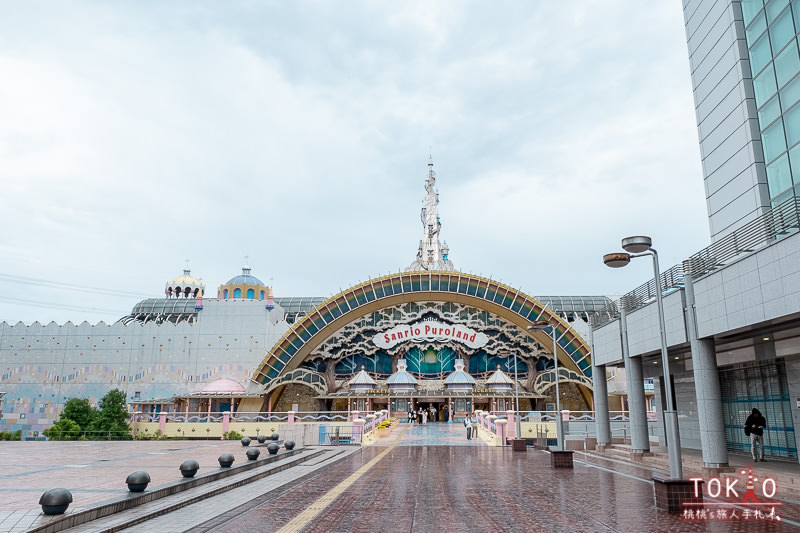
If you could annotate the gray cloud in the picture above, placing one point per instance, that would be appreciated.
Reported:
(136, 136)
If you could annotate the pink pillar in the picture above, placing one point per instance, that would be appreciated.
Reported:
(162, 422)
(291, 417)
(511, 424)
(358, 428)
(354, 415)
(501, 430)
(226, 421)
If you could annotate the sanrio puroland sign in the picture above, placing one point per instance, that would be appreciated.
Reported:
(430, 330)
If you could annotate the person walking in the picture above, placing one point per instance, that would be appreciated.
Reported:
(424, 417)
(754, 427)
(468, 425)
(410, 416)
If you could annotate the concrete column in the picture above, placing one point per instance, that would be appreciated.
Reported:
(290, 418)
(600, 385)
(162, 422)
(706, 383)
(634, 382)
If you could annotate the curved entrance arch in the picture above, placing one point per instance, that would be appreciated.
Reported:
(308, 332)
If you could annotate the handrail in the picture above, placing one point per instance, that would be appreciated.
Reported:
(778, 222)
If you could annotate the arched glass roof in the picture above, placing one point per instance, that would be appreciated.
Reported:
(299, 304)
(588, 304)
(165, 305)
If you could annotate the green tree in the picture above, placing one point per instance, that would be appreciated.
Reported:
(64, 429)
(111, 420)
(80, 411)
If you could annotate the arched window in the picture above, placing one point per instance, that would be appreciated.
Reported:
(237, 293)
(251, 294)
(225, 294)
(261, 295)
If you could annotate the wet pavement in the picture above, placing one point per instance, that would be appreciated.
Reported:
(431, 434)
(451, 487)
(416, 479)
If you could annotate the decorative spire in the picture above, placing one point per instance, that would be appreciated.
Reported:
(431, 255)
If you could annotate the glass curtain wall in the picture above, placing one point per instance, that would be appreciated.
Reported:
(771, 29)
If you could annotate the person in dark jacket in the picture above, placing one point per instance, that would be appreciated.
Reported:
(754, 426)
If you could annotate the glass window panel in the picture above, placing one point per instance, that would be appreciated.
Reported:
(764, 85)
(796, 13)
(791, 120)
(760, 54)
(774, 7)
(782, 30)
(778, 176)
(755, 29)
(773, 141)
(787, 64)
(791, 93)
(750, 8)
(769, 112)
(794, 162)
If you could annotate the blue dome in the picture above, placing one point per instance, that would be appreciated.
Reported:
(244, 279)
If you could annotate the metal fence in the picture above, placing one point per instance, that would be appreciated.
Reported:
(338, 435)
(782, 220)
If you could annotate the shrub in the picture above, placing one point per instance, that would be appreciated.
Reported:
(8, 435)
(64, 429)
(232, 435)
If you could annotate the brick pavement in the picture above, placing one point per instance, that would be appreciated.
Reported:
(94, 472)
(431, 479)
(455, 488)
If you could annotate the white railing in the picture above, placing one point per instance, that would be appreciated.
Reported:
(322, 416)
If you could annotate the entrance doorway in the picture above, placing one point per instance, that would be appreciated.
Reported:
(436, 408)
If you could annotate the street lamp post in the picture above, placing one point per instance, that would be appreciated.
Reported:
(640, 246)
(518, 424)
(516, 400)
(541, 325)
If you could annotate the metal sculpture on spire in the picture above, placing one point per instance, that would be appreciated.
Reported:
(431, 255)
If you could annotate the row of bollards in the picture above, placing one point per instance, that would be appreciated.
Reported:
(55, 501)
(261, 439)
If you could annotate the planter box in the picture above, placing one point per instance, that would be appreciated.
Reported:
(519, 445)
(561, 458)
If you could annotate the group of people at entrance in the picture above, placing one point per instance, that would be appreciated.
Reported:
(425, 414)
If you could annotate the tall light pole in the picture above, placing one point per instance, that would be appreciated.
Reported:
(541, 325)
(516, 396)
(516, 400)
(640, 246)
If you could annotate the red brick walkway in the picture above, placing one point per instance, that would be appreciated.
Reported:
(468, 489)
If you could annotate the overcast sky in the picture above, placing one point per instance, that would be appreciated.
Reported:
(137, 135)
